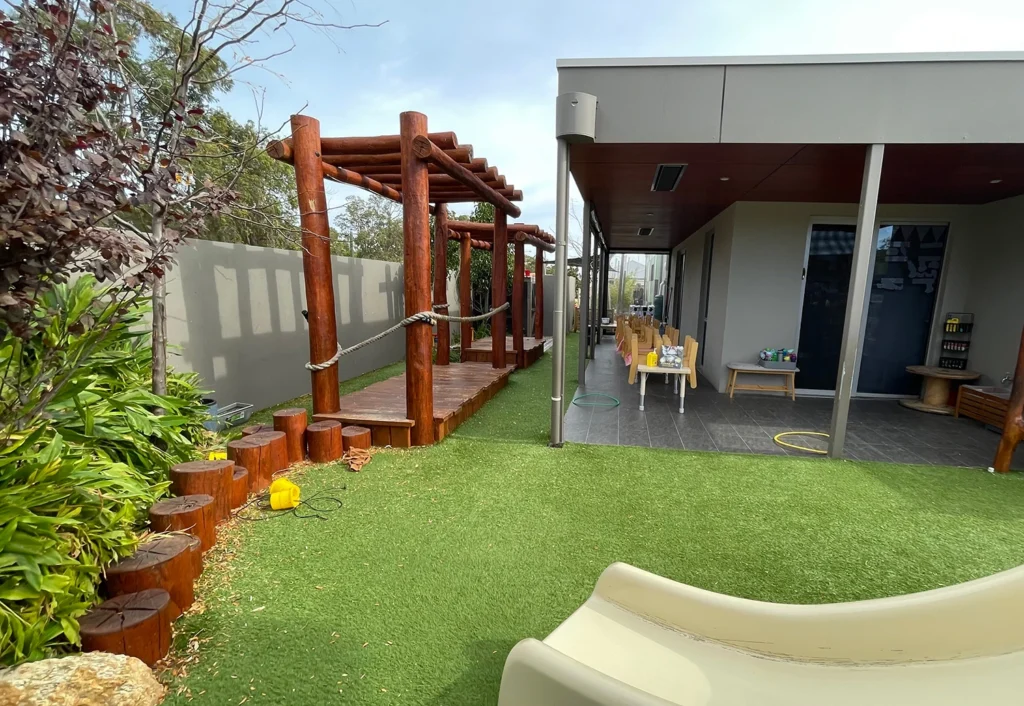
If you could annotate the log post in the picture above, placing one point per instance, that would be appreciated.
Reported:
(161, 563)
(137, 625)
(419, 371)
(355, 438)
(444, 333)
(1013, 428)
(292, 422)
(324, 440)
(211, 478)
(518, 272)
(190, 513)
(465, 295)
(316, 260)
(499, 282)
(239, 487)
(538, 290)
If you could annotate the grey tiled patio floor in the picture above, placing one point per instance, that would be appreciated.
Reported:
(879, 430)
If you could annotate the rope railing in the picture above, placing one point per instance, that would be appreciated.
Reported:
(424, 316)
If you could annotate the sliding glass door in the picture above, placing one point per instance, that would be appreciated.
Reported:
(901, 301)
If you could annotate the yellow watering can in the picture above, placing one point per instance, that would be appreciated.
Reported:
(652, 359)
(284, 494)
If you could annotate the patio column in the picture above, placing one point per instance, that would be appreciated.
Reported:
(557, 436)
(863, 249)
(598, 268)
(584, 297)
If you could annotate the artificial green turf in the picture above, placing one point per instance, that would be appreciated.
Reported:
(442, 558)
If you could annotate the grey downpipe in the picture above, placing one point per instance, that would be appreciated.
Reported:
(558, 313)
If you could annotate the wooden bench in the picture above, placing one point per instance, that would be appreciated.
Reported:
(750, 368)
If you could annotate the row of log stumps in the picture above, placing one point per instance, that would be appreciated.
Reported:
(151, 588)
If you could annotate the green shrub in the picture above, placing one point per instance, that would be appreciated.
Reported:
(77, 475)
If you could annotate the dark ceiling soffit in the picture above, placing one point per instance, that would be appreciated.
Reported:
(634, 251)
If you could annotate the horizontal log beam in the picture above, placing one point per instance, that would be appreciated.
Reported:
(477, 164)
(487, 229)
(535, 242)
(455, 195)
(344, 176)
(462, 154)
(281, 149)
(473, 242)
(439, 180)
(426, 150)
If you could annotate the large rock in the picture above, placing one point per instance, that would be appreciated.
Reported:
(90, 679)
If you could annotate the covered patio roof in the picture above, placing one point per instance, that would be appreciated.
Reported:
(791, 129)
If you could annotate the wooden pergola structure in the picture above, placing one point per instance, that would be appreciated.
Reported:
(424, 172)
(482, 236)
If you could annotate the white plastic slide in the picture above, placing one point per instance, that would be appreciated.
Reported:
(642, 640)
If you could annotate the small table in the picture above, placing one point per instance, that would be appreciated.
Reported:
(788, 373)
(677, 373)
(611, 326)
(935, 388)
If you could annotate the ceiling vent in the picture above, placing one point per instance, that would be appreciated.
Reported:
(645, 231)
(667, 176)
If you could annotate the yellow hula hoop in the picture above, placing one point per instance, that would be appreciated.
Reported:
(778, 440)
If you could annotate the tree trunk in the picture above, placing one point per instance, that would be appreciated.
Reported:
(159, 337)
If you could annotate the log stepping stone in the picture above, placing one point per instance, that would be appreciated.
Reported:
(211, 478)
(197, 556)
(256, 429)
(292, 422)
(164, 563)
(194, 514)
(324, 441)
(136, 624)
(239, 487)
(263, 454)
(353, 437)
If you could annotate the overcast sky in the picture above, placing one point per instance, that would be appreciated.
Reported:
(487, 69)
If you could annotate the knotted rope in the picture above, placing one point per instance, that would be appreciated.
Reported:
(425, 316)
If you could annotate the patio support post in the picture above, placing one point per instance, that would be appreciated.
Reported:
(518, 267)
(419, 370)
(538, 290)
(465, 296)
(561, 293)
(499, 282)
(595, 295)
(619, 306)
(585, 297)
(444, 333)
(316, 261)
(863, 249)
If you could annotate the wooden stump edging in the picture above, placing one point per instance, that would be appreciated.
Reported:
(194, 514)
(353, 437)
(262, 455)
(164, 563)
(206, 478)
(278, 443)
(256, 429)
(292, 422)
(197, 556)
(239, 487)
(324, 441)
(136, 624)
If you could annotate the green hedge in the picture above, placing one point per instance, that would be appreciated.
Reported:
(77, 478)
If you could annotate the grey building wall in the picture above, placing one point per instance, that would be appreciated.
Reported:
(995, 294)
(235, 317)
